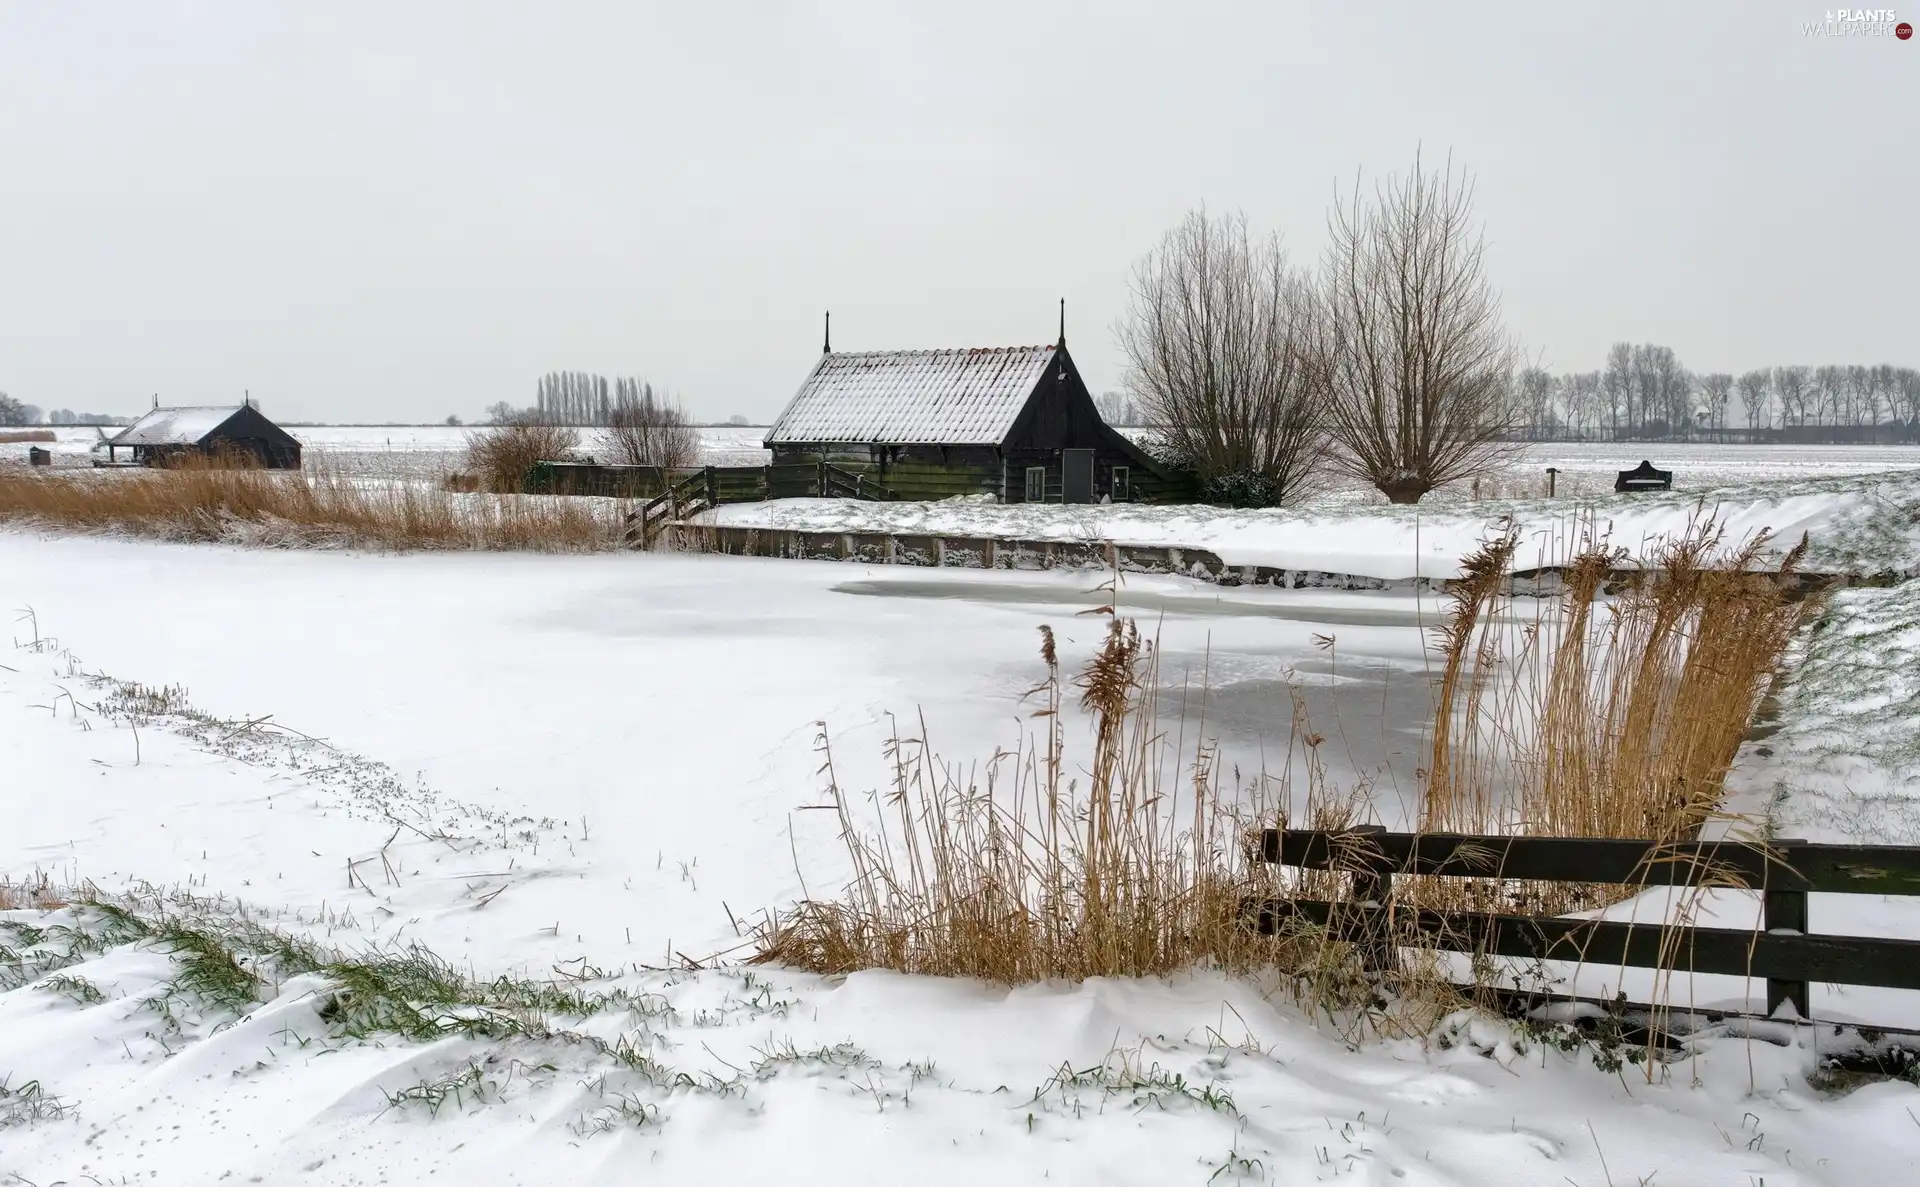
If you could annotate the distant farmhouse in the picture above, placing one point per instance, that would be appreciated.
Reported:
(1015, 422)
(235, 433)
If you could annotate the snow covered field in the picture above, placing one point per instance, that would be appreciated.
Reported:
(593, 764)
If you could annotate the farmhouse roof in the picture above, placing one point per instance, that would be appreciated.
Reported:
(176, 426)
(913, 397)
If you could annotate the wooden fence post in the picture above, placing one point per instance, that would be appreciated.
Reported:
(1784, 910)
(713, 488)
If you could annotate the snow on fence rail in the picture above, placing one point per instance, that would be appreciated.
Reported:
(1780, 950)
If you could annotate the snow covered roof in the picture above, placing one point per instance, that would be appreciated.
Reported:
(175, 426)
(913, 397)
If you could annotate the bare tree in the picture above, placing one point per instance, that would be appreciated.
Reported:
(1716, 389)
(1618, 381)
(1828, 393)
(12, 411)
(1792, 383)
(1906, 383)
(1583, 396)
(1644, 390)
(1756, 392)
(1413, 357)
(1875, 386)
(1536, 400)
(1672, 388)
(644, 428)
(1218, 338)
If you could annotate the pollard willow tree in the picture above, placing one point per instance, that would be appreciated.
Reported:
(646, 428)
(1217, 337)
(1413, 360)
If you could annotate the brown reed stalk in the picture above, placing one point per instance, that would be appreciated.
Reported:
(200, 500)
(1015, 872)
(1624, 702)
(1454, 789)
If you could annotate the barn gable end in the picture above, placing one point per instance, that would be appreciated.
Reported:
(938, 423)
(166, 434)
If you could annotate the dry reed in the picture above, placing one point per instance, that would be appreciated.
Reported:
(318, 509)
(500, 456)
(1026, 874)
(1616, 710)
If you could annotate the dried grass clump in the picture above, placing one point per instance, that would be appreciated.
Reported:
(1614, 710)
(30, 894)
(1029, 874)
(499, 456)
(1617, 710)
(201, 501)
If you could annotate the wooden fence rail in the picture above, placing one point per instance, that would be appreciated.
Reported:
(1784, 872)
(688, 496)
(694, 491)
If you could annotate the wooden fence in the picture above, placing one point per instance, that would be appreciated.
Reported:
(1784, 872)
(694, 491)
(725, 484)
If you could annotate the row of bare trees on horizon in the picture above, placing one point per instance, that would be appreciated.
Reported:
(1643, 389)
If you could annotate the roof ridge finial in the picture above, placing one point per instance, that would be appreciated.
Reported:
(1063, 323)
(826, 343)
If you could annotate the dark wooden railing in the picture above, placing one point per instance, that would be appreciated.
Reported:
(836, 483)
(1784, 872)
(711, 486)
(687, 496)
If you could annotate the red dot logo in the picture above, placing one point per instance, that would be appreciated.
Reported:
(1903, 31)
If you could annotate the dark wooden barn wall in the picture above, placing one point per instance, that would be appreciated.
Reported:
(911, 471)
(1060, 414)
(268, 454)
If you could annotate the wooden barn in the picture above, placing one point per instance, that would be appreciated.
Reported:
(235, 433)
(1016, 422)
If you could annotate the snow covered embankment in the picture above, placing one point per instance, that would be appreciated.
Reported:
(1858, 525)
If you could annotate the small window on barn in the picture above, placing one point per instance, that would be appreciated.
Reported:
(1122, 484)
(1036, 484)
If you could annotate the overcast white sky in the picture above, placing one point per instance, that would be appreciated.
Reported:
(400, 210)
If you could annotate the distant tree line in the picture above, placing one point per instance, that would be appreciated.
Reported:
(586, 400)
(1643, 391)
(14, 414)
(1119, 408)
